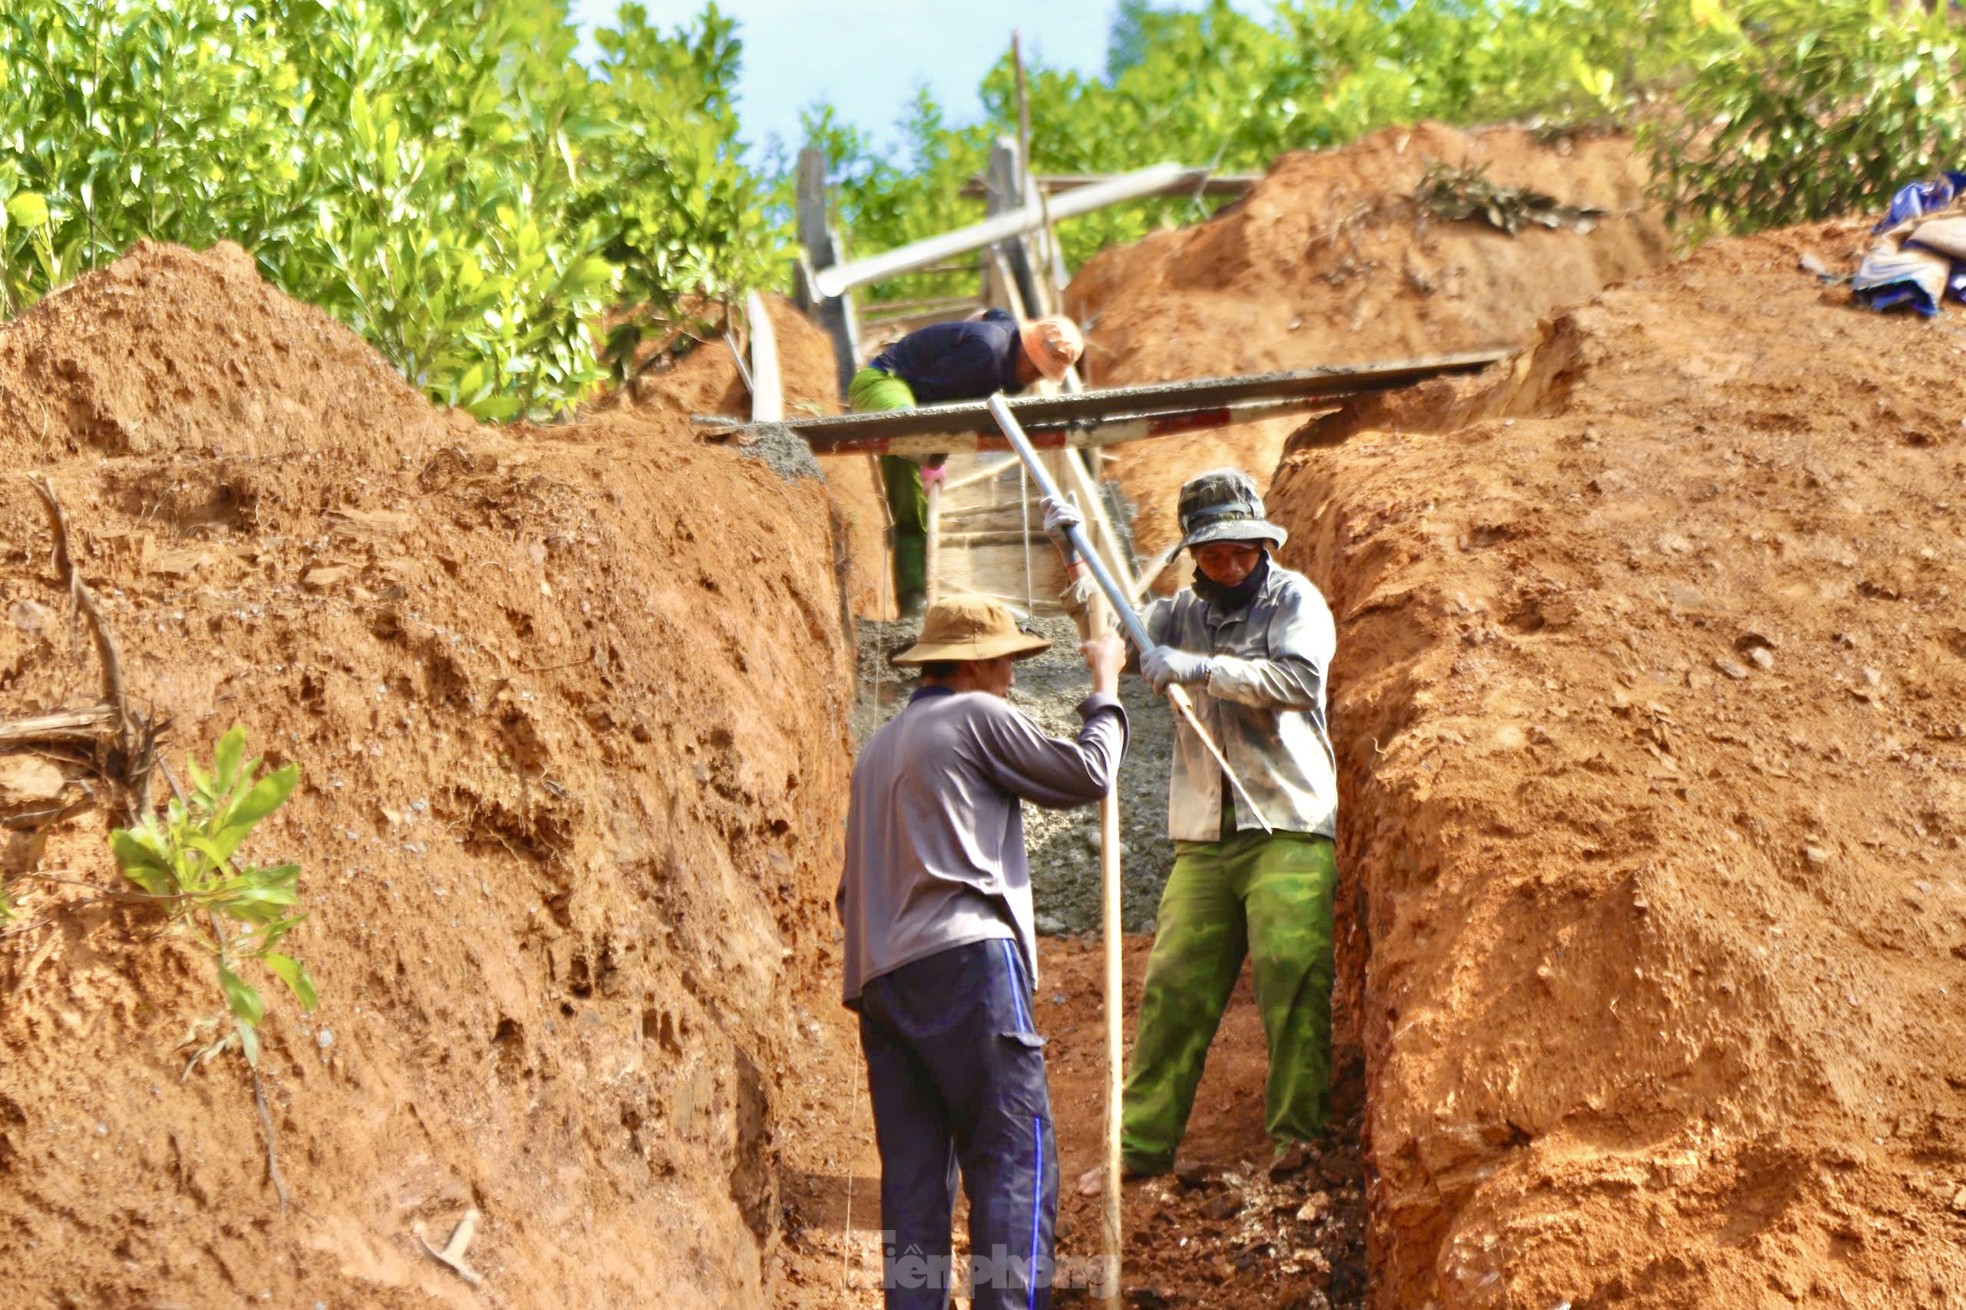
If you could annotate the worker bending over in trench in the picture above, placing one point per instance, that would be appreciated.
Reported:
(1252, 642)
(941, 953)
(944, 362)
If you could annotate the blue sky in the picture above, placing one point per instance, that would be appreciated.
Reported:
(868, 56)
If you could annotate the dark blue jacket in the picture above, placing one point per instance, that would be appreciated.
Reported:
(956, 361)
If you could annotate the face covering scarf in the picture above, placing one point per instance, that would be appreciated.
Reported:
(1227, 600)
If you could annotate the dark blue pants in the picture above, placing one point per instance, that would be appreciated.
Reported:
(956, 1069)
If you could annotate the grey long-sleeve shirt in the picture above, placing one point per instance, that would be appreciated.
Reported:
(1264, 705)
(934, 831)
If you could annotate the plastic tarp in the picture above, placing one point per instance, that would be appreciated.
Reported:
(1920, 257)
(1920, 198)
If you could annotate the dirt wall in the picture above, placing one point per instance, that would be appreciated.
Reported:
(1329, 261)
(706, 381)
(1651, 713)
(570, 708)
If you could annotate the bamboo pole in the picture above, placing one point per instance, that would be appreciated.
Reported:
(1095, 615)
(1028, 195)
(1193, 181)
(1112, 1235)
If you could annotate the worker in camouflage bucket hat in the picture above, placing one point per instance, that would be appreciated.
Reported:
(1252, 642)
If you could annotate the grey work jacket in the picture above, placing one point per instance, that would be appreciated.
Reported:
(1264, 705)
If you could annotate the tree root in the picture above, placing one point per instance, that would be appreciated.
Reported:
(135, 740)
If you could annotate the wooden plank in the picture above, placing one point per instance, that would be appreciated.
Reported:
(1009, 537)
(983, 473)
(882, 310)
(933, 495)
(767, 394)
(951, 266)
(1157, 409)
(821, 251)
(1008, 511)
(1111, 430)
(1009, 258)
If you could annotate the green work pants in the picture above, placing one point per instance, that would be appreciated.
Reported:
(873, 391)
(1265, 894)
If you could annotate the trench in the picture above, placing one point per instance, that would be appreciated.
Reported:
(1376, 831)
(1222, 1230)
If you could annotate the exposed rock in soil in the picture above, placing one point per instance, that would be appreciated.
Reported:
(1664, 939)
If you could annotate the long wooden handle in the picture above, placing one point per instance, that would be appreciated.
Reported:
(1177, 696)
(1111, 1236)
(1095, 616)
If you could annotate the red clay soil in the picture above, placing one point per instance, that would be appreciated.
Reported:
(1650, 708)
(570, 707)
(1329, 261)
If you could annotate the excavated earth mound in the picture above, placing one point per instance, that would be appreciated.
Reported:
(570, 709)
(706, 381)
(169, 351)
(1329, 261)
(1650, 706)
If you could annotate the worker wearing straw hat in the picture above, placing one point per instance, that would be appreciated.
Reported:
(967, 360)
(1252, 642)
(941, 952)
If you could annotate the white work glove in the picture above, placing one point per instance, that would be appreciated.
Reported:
(1164, 666)
(1060, 516)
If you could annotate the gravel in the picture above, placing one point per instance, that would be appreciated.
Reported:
(1063, 844)
(784, 451)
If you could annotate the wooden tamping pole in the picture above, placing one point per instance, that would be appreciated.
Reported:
(1094, 615)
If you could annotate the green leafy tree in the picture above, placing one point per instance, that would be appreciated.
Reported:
(120, 120)
(667, 178)
(1317, 73)
(440, 228)
(235, 910)
(1813, 108)
(440, 174)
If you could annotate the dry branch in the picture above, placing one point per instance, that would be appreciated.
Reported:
(62, 725)
(85, 601)
(272, 1153)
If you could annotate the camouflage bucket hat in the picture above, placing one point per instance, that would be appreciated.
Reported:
(1224, 505)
